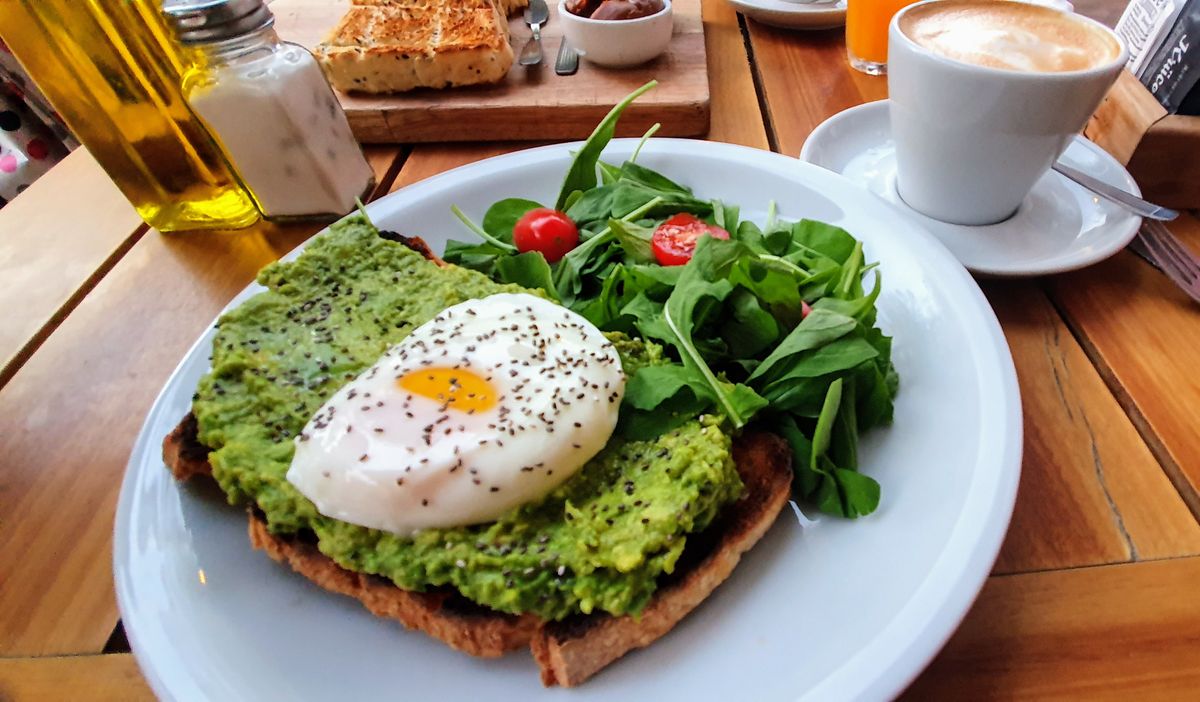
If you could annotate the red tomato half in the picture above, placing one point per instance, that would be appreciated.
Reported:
(674, 241)
(546, 230)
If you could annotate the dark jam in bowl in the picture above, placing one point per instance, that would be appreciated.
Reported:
(615, 9)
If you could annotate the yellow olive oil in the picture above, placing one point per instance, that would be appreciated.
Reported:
(111, 71)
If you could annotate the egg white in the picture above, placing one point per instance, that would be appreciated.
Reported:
(384, 457)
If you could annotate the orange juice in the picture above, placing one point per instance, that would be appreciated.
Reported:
(867, 32)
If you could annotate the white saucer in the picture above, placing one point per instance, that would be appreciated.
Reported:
(794, 15)
(1060, 226)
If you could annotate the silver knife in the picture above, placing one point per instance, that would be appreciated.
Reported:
(568, 59)
(535, 16)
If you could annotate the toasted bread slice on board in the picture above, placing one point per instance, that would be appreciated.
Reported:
(400, 46)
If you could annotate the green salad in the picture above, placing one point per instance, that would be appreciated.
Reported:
(767, 323)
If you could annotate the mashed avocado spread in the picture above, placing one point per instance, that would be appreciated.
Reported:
(598, 542)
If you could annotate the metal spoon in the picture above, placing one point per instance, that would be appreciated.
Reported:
(535, 16)
(1129, 201)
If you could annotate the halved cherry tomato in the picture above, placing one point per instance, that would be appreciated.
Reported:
(805, 309)
(546, 230)
(674, 241)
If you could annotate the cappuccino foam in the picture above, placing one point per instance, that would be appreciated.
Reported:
(1009, 35)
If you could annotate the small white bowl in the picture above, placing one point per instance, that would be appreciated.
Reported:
(618, 43)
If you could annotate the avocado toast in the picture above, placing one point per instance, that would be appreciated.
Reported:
(491, 588)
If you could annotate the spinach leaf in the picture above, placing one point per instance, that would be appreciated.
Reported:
(502, 245)
(609, 173)
(501, 217)
(582, 173)
(595, 205)
(825, 239)
(529, 270)
(634, 240)
(660, 401)
(640, 175)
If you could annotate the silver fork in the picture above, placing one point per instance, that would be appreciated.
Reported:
(1158, 245)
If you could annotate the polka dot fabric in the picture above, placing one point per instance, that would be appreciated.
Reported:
(28, 147)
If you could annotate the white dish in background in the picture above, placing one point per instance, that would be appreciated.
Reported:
(1061, 225)
(618, 43)
(836, 610)
(789, 14)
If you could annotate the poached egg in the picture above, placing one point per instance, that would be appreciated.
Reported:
(490, 405)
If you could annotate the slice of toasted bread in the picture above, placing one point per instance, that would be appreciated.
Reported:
(443, 614)
(567, 652)
(571, 651)
(382, 47)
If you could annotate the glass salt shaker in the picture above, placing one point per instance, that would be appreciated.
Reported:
(268, 104)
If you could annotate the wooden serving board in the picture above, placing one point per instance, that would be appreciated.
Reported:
(533, 103)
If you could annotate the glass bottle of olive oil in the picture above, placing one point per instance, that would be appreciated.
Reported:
(111, 71)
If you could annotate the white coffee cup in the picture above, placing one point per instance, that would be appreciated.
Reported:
(971, 139)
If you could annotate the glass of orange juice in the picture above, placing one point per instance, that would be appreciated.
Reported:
(867, 32)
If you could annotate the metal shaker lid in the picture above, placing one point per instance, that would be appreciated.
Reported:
(204, 21)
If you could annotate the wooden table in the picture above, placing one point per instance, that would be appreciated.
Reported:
(1095, 593)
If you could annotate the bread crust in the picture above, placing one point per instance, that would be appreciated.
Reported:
(568, 652)
(571, 651)
(382, 47)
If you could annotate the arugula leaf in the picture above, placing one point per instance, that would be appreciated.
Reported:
(502, 216)
(582, 173)
(750, 329)
(529, 270)
(819, 328)
(702, 279)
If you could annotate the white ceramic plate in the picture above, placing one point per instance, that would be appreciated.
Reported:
(794, 15)
(836, 610)
(1060, 226)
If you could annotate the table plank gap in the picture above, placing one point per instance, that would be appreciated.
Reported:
(42, 333)
(764, 106)
(52, 254)
(97, 678)
(1091, 491)
(1150, 388)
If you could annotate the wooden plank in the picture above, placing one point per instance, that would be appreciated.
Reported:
(108, 678)
(737, 119)
(1126, 632)
(800, 96)
(532, 103)
(1091, 492)
(1143, 333)
(73, 410)
(53, 254)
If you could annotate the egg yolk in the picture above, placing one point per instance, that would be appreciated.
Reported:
(455, 388)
